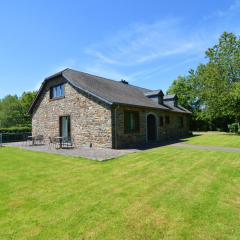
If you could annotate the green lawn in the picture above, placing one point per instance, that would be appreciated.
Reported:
(164, 193)
(215, 139)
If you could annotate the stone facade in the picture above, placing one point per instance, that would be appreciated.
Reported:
(94, 122)
(90, 118)
(164, 132)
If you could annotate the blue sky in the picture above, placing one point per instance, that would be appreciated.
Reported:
(149, 43)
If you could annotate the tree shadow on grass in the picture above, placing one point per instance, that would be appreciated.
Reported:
(162, 143)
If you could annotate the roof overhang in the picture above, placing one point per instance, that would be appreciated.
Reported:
(61, 74)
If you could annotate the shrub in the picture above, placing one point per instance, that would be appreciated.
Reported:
(15, 134)
(233, 128)
(16, 129)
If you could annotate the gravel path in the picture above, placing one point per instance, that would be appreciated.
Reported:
(102, 154)
(99, 154)
(210, 148)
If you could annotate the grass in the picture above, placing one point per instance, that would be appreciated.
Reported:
(164, 193)
(215, 139)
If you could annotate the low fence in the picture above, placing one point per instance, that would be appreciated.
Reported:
(13, 137)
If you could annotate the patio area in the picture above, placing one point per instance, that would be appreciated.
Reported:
(93, 153)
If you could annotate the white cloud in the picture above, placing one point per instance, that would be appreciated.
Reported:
(143, 43)
(104, 71)
(69, 63)
(229, 12)
(149, 50)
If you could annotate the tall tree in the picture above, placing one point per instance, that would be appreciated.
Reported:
(216, 80)
(214, 87)
(14, 110)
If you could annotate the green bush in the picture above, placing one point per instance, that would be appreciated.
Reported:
(233, 128)
(15, 134)
(15, 137)
(16, 129)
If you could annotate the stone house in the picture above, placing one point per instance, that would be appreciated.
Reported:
(105, 113)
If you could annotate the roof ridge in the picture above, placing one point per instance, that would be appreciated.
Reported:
(56, 74)
(108, 79)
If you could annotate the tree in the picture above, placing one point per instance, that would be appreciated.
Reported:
(235, 100)
(10, 111)
(220, 75)
(212, 90)
(14, 110)
(26, 100)
(182, 87)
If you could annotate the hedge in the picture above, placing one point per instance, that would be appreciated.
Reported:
(234, 128)
(15, 134)
(16, 129)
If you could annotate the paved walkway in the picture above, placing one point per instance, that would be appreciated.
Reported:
(210, 148)
(102, 154)
(99, 154)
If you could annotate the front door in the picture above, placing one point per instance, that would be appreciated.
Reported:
(151, 128)
(65, 127)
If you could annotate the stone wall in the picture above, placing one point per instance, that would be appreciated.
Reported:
(90, 118)
(93, 122)
(165, 132)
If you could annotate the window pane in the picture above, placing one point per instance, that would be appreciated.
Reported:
(131, 121)
(54, 92)
(57, 91)
(180, 122)
(167, 119)
(160, 121)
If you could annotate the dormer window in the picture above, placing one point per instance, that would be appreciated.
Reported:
(57, 91)
(156, 96)
(171, 100)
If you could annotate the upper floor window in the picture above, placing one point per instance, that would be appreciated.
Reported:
(57, 91)
(167, 119)
(131, 121)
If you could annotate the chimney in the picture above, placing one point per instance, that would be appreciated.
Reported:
(124, 81)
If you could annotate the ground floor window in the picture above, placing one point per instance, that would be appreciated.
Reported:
(167, 119)
(180, 122)
(131, 121)
(160, 121)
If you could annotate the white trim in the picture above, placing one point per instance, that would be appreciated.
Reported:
(157, 125)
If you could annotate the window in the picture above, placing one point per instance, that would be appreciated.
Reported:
(167, 119)
(131, 121)
(65, 126)
(180, 122)
(57, 91)
(160, 121)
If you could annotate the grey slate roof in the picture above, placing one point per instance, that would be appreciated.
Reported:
(109, 91)
(178, 108)
(154, 93)
(169, 97)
